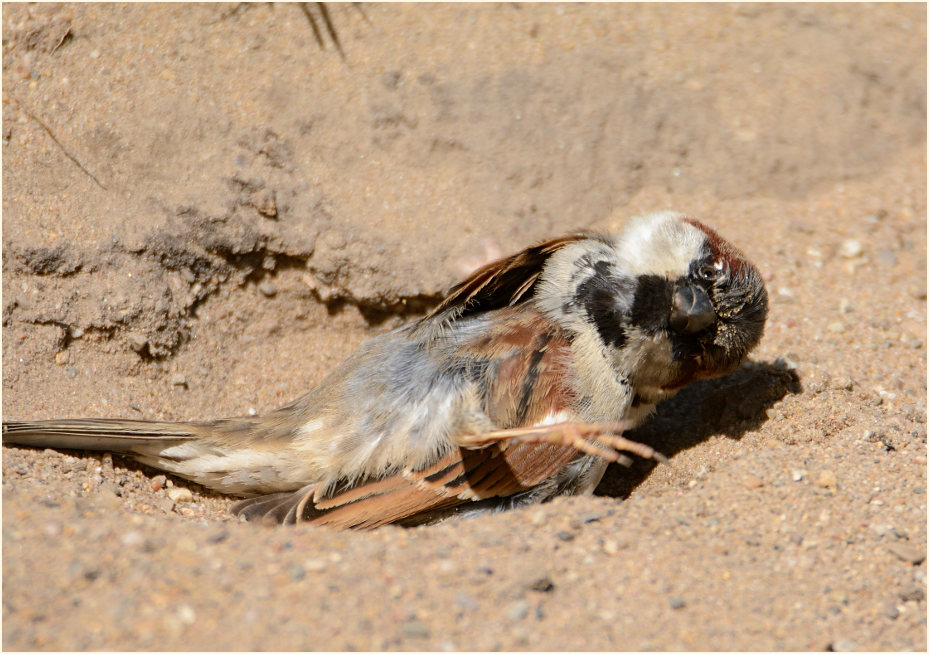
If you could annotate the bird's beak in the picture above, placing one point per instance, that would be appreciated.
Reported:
(691, 309)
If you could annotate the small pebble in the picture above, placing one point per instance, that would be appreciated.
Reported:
(901, 533)
(814, 253)
(265, 202)
(158, 482)
(842, 383)
(891, 611)
(843, 645)
(751, 482)
(63, 357)
(415, 629)
(796, 475)
(676, 603)
(447, 566)
(836, 327)
(840, 596)
(267, 289)
(851, 249)
(542, 585)
(314, 565)
(132, 538)
(518, 610)
(53, 529)
(913, 594)
(137, 341)
(565, 536)
(179, 380)
(611, 547)
(179, 495)
(907, 552)
(186, 614)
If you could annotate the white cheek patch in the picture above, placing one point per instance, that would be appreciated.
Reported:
(659, 244)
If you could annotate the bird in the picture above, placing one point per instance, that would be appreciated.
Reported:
(515, 389)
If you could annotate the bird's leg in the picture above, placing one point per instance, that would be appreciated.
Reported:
(586, 437)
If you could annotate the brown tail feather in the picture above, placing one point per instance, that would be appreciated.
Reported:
(112, 435)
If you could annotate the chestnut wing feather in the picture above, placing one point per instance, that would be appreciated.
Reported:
(504, 282)
(460, 478)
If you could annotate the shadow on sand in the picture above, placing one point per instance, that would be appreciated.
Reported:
(729, 406)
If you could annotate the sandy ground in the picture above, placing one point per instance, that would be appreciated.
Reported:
(205, 209)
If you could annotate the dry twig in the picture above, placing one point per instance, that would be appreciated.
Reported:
(57, 142)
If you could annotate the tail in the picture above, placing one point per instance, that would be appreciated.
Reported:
(96, 434)
(231, 456)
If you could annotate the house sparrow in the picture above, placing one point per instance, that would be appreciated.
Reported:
(514, 390)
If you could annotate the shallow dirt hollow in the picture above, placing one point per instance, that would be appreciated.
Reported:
(205, 209)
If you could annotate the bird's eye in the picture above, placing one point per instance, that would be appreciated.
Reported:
(712, 272)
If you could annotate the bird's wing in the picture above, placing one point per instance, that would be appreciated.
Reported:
(460, 478)
(502, 283)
